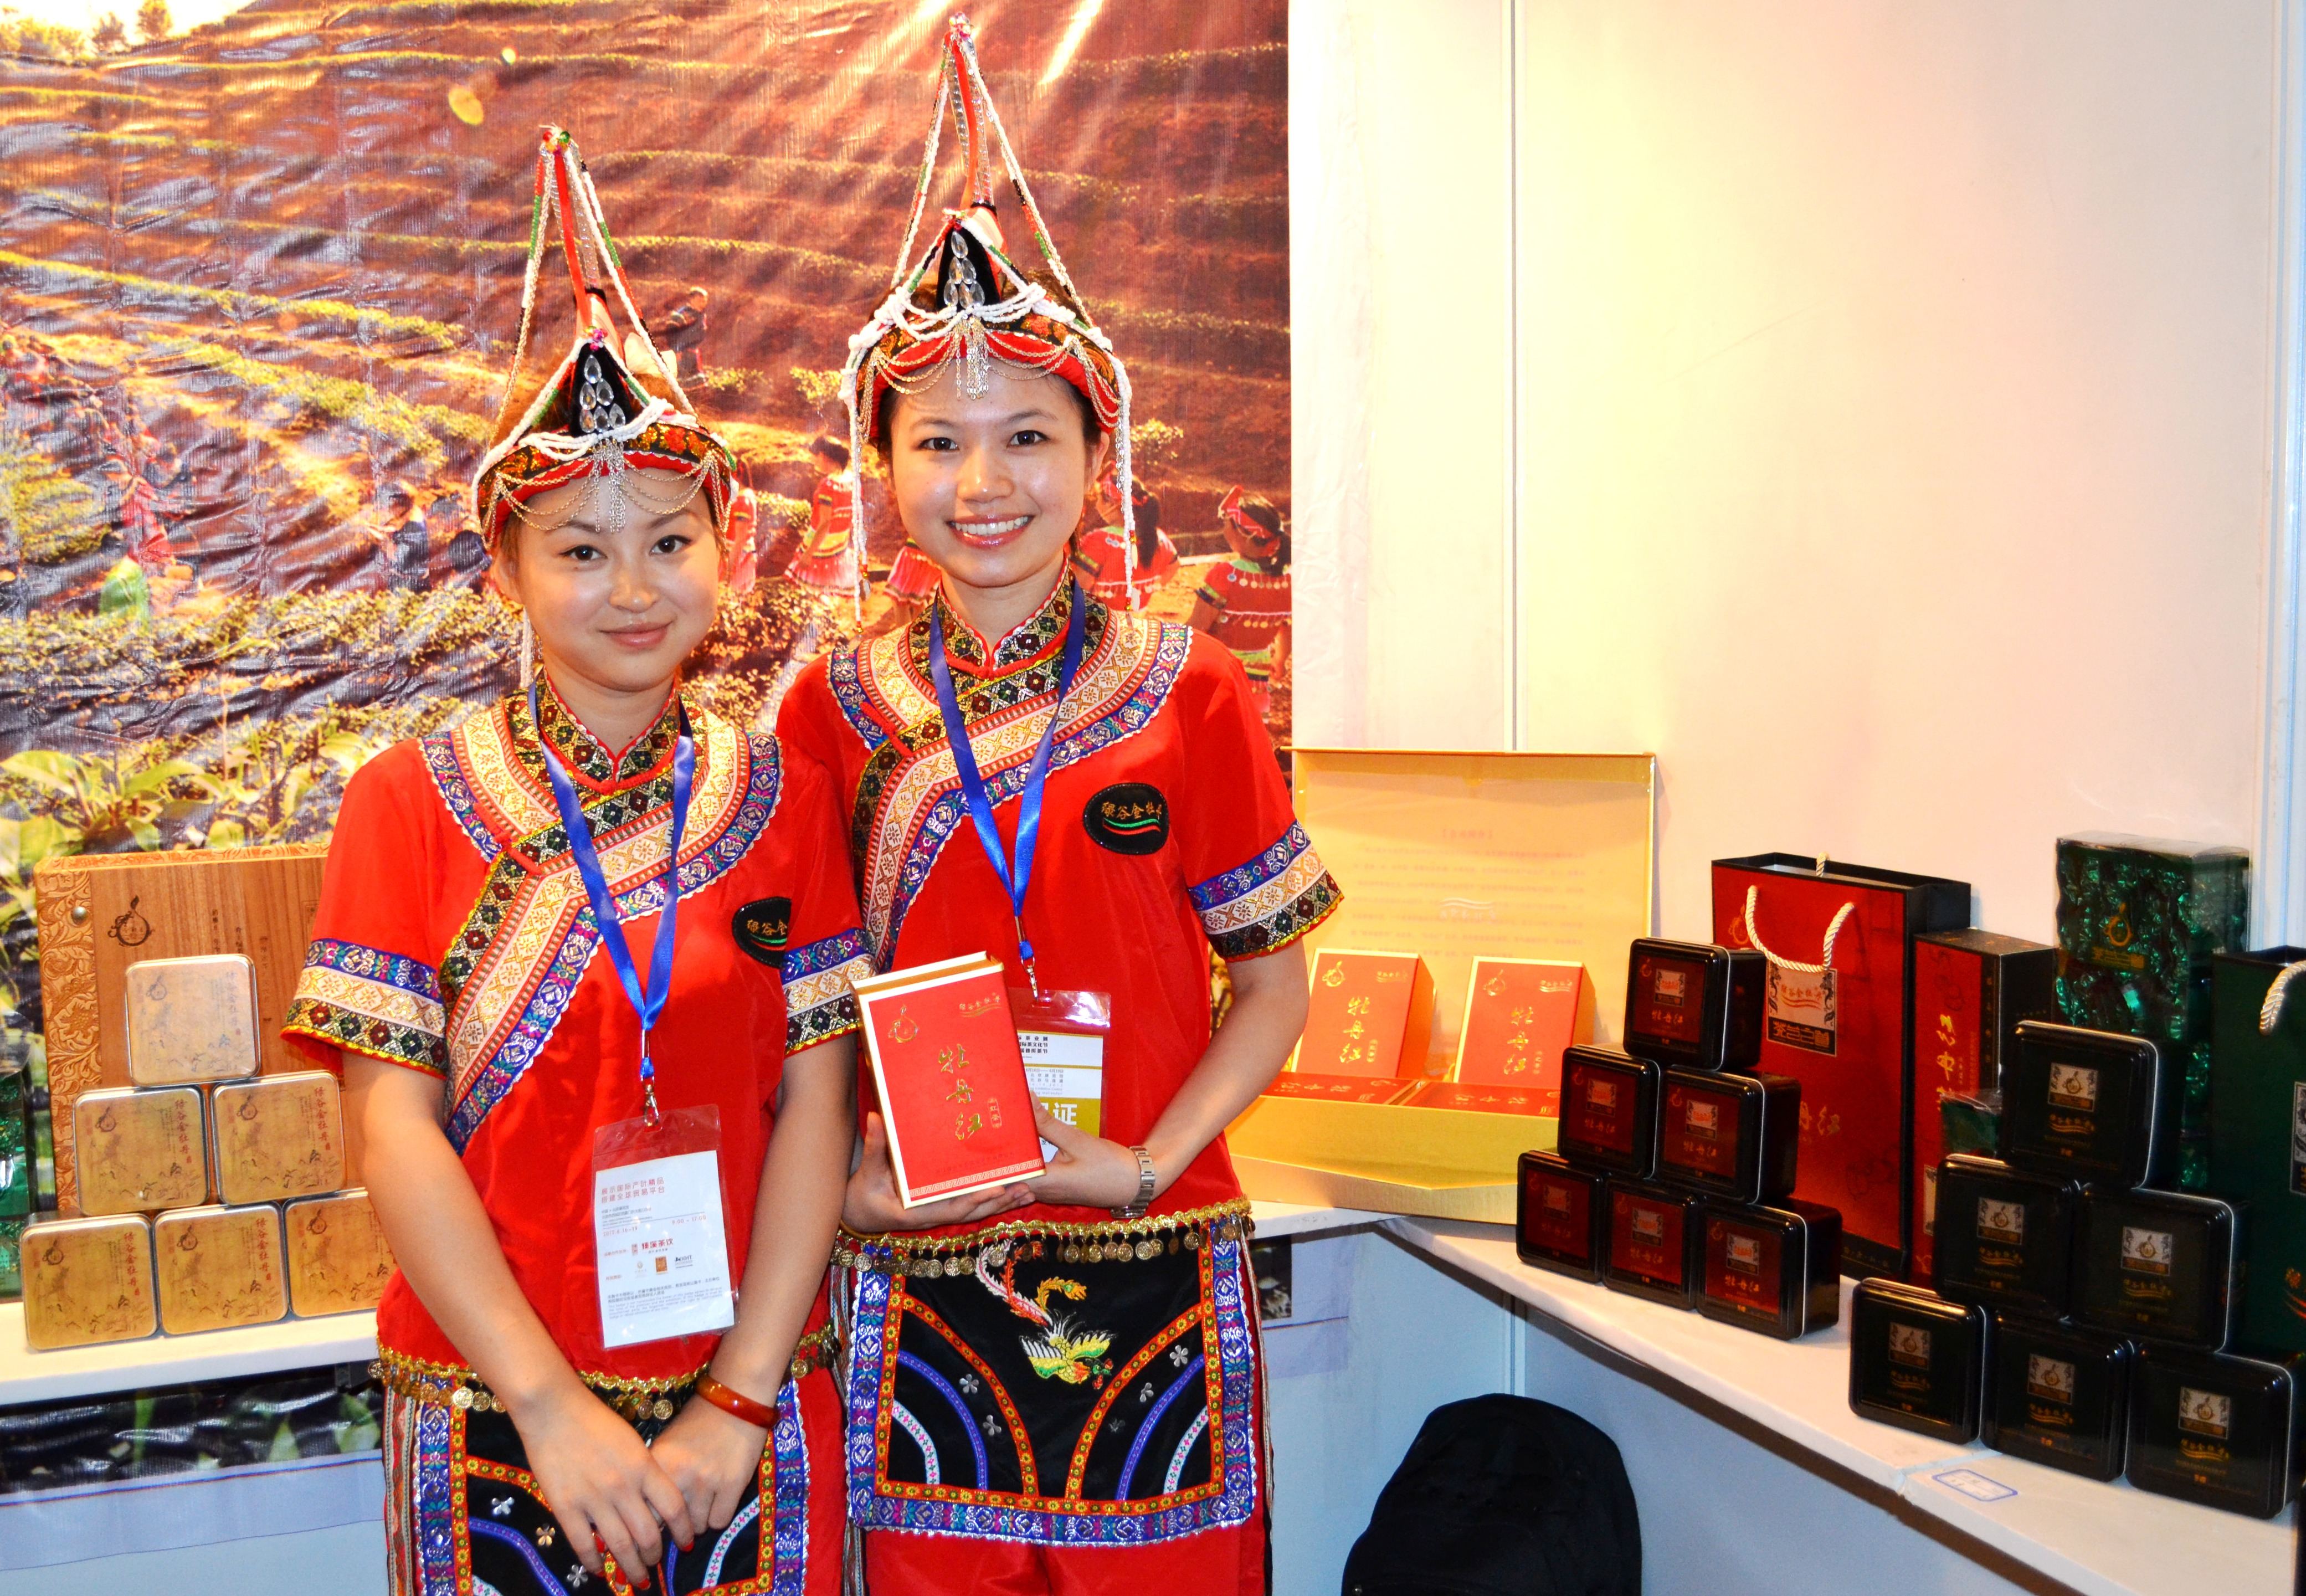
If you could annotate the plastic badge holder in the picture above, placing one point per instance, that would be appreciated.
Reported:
(1917, 1361)
(1653, 1243)
(88, 1281)
(339, 1261)
(277, 1136)
(1609, 1111)
(218, 1267)
(1695, 1006)
(1729, 1135)
(661, 1248)
(1775, 1269)
(140, 1151)
(2005, 1238)
(2058, 1396)
(191, 1021)
(2219, 1430)
(2159, 1265)
(1062, 1036)
(1561, 1216)
(2090, 1105)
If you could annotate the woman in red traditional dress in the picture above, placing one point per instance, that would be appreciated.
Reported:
(584, 962)
(1245, 601)
(827, 560)
(1115, 570)
(1054, 1387)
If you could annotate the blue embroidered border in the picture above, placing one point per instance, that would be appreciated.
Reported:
(840, 674)
(1233, 1503)
(1244, 879)
(1133, 714)
(790, 1546)
(824, 954)
(553, 992)
(374, 964)
(435, 1514)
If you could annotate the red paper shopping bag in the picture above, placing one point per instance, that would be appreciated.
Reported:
(1840, 1026)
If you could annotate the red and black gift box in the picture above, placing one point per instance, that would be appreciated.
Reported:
(1971, 989)
(1609, 1111)
(1845, 1034)
(1694, 1006)
(1727, 1135)
(1653, 1239)
(1773, 1267)
(1561, 1216)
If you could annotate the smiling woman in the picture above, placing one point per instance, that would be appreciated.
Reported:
(526, 1091)
(991, 485)
(616, 595)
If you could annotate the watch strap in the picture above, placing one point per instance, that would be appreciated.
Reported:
(1147, 1177)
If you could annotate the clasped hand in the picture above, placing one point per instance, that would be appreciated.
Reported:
(1087, 1171)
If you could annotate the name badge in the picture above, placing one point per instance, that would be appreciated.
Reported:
(1060, 1036)
(659, 1246)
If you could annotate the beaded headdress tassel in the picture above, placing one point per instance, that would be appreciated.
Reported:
(592, 423)
(963, 302)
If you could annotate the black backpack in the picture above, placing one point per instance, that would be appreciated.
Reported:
(1502, 1496)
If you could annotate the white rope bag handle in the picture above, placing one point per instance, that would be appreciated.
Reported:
(1832, 931)
(2269, 1012)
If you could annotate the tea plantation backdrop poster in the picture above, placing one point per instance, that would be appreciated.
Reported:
(259, 275)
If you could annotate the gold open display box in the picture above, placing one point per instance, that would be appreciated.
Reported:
(1456, 857)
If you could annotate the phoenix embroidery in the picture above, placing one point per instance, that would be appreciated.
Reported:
(1064, 1351)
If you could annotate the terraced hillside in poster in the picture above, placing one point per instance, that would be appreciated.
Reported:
(258, 285)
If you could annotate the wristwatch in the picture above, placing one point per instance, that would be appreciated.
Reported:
(1145, 1180)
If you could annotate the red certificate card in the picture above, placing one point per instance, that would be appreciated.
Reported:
(952, 1080)
(1370, 1014)
(1520, 1013)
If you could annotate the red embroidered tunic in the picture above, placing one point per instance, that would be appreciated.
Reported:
(826, 559)
(454, 937)
(1159, 722)
(1103, 562)
(1252, 608)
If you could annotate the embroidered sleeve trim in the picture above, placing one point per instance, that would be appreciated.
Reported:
(820, 1004)
(1263, 906)
(364, 1000)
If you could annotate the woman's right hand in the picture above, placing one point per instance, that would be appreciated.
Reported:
(599, 1479)
(871, 1205)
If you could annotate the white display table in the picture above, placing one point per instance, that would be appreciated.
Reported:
(2107, 1540)
(1440, 1310)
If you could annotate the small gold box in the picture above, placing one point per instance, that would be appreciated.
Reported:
(338, 1260)
(191, 1021)
(218, 1268)
(141, 1151)
(277, 1136)
(87, 1281)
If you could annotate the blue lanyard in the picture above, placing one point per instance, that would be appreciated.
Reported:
(1017, 876)
(605, 918)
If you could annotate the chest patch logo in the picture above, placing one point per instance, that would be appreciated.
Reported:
(1129, 817)
(761, 928)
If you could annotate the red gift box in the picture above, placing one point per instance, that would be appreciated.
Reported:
(952, 1079)
(1970, 990)
(1845, 1035)
(1520, 1014)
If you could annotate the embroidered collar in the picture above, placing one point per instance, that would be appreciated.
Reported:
(1040, 633)
(589, 761)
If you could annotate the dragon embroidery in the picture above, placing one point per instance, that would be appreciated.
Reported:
(1064, 1351)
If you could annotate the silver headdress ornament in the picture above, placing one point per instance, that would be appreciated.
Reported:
(963, 302)
(592, 423)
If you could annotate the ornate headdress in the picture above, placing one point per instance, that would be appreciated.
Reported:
(963, 302)
(592, 422)
(1255, 518)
